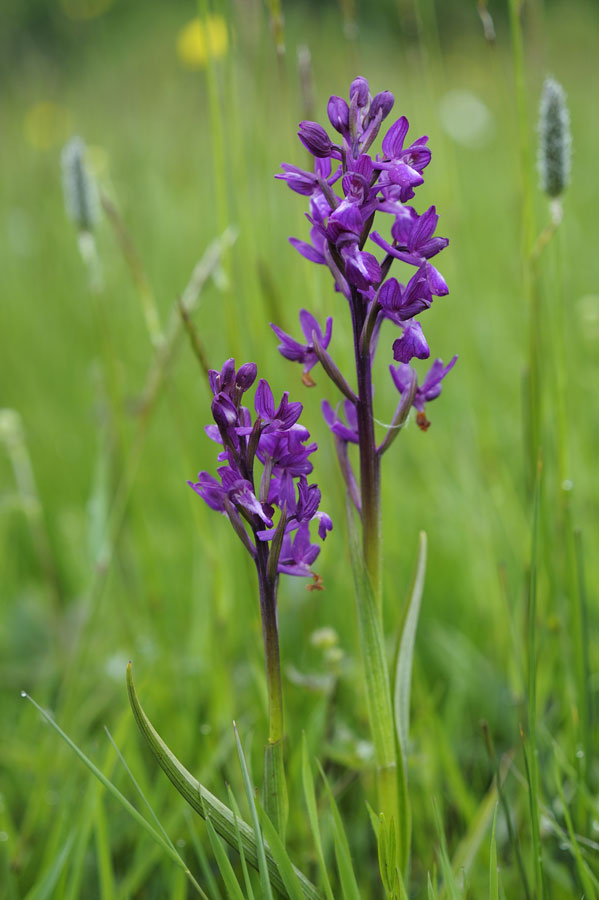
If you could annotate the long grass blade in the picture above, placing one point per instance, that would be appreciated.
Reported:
(203, 801)
(349, 884)
(493, 868)
(260, 850)
(310, 798)
(246, 875)
(584, 873)
(281, 856)
(391, 779)
(116, 793)
(224, 863)
(405, 650)
(532, 761)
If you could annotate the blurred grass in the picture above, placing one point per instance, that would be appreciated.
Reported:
(179, 598)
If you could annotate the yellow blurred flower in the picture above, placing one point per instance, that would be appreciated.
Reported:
(46, 125)
(82, 10)
(202, 39)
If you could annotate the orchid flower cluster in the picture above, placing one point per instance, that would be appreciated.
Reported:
(277, 443)
(341, 226)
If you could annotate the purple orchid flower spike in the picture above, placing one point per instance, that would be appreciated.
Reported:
(271, 512)
(342, 211)
(304, 353)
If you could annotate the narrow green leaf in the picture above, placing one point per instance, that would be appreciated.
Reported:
(432, 893)
(205, 867)
(349, 884)
(200, 799)
(391, 779)
(105, 868)
(405, 649)
(116, 793)
(310, 798)
(44, 889)
(274, 786)
(277, 848)
(468, 847)
(246, 875)
(249, 790)
(449, 882)
(493, 869)
(584, 873)
(532, 765)
(224, 863)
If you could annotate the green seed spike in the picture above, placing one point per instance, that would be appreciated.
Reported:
(555, 141)
(81, 196)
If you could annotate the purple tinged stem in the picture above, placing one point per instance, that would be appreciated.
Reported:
(368, 329)
(238, 526)
(331, 369)
(370, 480)
(348, 473)
(400, 415)
(331, 197)
(275, 546)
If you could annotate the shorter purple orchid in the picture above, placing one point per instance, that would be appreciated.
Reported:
(277, 441)
(304, 353)
(425, 392)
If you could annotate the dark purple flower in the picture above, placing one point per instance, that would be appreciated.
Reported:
(304, 353)
(413, 234)
(325, 524)
(226, 416)
(232, 384)
(297, 553)
(315, 139)
(411, 344)
(401, 303)
(223, 380)
(359, 91)
(237, 489)
(425, 392)
(436, 283)
(361, 268)
(347, 433)
(338, 112)
(283, 417)
(210, 490)
(287, 451)
(383, 103)
(298, 180)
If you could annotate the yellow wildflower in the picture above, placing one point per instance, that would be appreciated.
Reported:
(202, 39)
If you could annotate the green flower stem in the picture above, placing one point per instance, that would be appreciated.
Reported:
(391, 782)
(275, 787)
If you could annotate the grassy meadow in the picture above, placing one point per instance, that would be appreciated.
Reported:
(107, 556)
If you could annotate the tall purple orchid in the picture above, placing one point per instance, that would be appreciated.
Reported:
(348, 189)
(262, 487)
(341, 230)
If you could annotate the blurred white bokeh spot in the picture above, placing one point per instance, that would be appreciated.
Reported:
(588, 312)
(466, 119)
